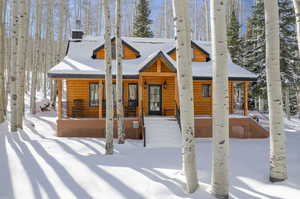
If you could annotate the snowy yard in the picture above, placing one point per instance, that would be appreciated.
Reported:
(36, 165)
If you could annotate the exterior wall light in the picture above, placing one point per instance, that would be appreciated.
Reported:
(165, 85)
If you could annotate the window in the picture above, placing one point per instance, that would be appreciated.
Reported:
(94, 94)
(206, 90)
(132, 95)
(132, 91)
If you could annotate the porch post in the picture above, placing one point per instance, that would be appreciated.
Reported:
(246, 112)
(100, 99)
(59, 95)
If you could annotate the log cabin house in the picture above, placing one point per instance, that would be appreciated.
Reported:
(150, 87)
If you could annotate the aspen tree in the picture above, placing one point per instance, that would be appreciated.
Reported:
(184, 75)
(13, 68)
(220, 182)
(37, 57)
(22, 20)
(49, 46)
(2, 63)
(109, 147)
(98, 17)
(119, 54)
(278, 168)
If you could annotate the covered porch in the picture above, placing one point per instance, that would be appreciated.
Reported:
(72, 122)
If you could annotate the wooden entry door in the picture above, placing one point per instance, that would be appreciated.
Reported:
(155, 99)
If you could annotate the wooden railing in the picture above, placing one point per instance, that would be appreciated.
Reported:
(142, 123)
(178, 116)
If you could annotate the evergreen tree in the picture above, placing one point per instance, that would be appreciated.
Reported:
(233, 38)
(254, 47)
(141, 27)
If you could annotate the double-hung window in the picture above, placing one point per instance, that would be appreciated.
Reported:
(206, 90)
(94, 94)
(132, 94)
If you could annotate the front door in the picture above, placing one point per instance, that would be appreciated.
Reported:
(155, 100)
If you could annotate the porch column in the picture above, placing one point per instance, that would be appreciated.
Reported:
(59, 96)
(100, 99)
(246, 112)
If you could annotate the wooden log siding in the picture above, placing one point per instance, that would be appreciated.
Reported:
(79, 89)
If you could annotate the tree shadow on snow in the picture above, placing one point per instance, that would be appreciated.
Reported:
(6, 189)
(112, 180)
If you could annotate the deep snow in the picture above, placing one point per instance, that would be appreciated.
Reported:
(35, 164)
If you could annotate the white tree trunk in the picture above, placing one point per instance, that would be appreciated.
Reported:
(37, 57)
(220, 182)
(98, 17)
(49, 46)
(119, 54)
(62, 12)
(184, 74)
(20, 60)
(278, 168)
(13, 68)
(2, 64)
(297, 11)
(109, 147)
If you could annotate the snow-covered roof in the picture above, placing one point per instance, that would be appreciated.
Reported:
(79, 62)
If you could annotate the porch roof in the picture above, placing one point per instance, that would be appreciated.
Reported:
(79, 63)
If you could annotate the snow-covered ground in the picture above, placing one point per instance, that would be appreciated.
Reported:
(35, 164)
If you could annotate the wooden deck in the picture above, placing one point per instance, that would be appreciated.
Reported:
(240, 127)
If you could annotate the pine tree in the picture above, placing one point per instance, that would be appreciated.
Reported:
(234, 40)
(141, 27)
(255, 48)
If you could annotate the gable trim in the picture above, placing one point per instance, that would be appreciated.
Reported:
(152, 61)
(123, 42)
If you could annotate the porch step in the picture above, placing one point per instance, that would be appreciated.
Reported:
(162, 132)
